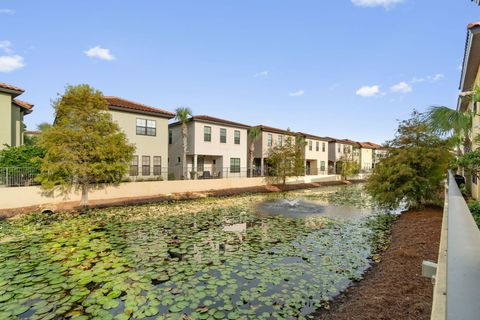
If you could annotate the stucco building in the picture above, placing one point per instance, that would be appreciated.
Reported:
(12, 111)
(216, 148)
(470, 78)
(316, 154)
(269, 137)
(147, 128)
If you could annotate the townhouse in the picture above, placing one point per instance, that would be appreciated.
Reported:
(340, 149)
(370, 155)
(315, 154)
(269, 137)
(216, 148)
(147, 128)
(470, 78)
(12, 112)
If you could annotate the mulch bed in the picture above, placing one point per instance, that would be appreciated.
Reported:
(395, 288)
(74, 205)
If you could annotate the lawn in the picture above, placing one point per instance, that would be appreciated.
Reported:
(198, 259)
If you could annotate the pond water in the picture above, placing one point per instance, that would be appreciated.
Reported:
(250, 257)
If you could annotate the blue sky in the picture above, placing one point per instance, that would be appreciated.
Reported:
(342, 68)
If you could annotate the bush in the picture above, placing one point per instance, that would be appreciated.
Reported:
(21, 156)
(412, 172)
(474, 207)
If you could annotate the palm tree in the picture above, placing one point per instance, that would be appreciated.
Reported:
(253, 135)
(182, 115)
(457, 123)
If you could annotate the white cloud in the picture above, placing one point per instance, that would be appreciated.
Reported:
(6, 46)
(297, 93)
(11, 63)
(7, 11)
(436, 77)
(368, 91)
(100, 53)
(260, 74)
(401, 87)
(376, 3)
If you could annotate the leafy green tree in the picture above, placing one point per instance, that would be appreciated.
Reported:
(22, 156)
(470, 162)
(285, 161)
(85, 148)
(182, 115)
(347, 167)
(413, 171)
(253, 134)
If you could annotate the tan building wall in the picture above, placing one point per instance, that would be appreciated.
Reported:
(316, 157)
(11, 122)
(145, 145)
(32, 196)
(5, 119)
(366, 159)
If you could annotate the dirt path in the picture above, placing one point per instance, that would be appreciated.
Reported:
(394, 288)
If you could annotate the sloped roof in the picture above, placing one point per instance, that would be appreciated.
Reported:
(210, 119)
(130, 106)
(28, 107)
(275, 130)
(10, 87)
(314, 137)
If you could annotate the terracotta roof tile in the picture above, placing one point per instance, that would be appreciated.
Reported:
(311, 136)
(473, 25)
(213, 119)
(130, 105)
(10, 87)
(275, 130)
(24, 104)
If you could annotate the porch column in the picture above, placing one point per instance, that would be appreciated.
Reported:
(194, 167)
(261, 167)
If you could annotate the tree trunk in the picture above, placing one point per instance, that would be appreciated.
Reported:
(84, 199)
(252, 149)
(184, 155)
(467, 147)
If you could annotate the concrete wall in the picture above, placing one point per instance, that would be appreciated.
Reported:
(31, 196)
(5, 119)
(145, 145)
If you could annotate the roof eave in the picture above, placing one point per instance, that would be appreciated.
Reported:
(469, 71)
(144, 112)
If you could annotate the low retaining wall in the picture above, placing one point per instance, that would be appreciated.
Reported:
(11, 198)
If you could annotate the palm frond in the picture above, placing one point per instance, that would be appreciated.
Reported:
(445, 121)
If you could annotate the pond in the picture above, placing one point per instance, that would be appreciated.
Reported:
(279, 256)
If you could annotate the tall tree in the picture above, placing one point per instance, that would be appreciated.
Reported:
(253, 134)
(285, 161)
(85, 148)
(182, 115)
(414, 168)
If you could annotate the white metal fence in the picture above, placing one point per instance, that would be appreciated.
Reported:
(18, 177)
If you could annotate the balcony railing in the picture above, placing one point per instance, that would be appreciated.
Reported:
(457, 280)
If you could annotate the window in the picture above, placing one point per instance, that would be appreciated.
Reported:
(474, 179)
(323, 146)
(146, 127)
(134, 167)
(145, 165)
(317, 146)
(236, 136)
(339, 148)
(157, 165)
(170, 136)
(178, 160)
(223, 135)
(269, 140)
(310, 145)
(280, 140)
(207, 134)
(322, 166)
(235, 165)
